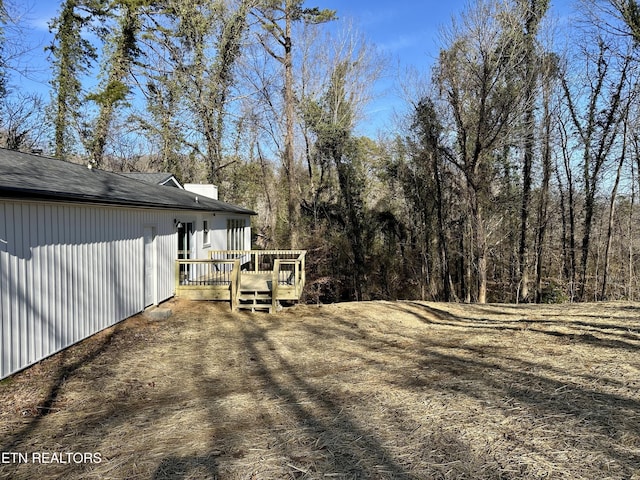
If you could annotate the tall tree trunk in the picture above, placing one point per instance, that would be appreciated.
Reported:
(480, 245)
(589, 211)
(67, 85)
(467, 259)
(534, 11)
(272, 14)
(630, 291)
(571, 260)
(597, 134)
(543, 204)
(289, 158)
(567, 207)
(442, 240)
(115, 89)
(72, 57)
(612, 206)
(523, 251)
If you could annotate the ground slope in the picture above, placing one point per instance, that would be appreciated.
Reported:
(356, 390)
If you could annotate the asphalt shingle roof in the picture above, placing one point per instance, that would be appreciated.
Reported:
(156, 178)
(24, 175)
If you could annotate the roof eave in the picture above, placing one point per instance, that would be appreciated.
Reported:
(26, 194)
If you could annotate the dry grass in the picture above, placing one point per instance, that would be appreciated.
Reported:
(370, 390)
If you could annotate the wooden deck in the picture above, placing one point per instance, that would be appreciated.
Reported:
(260, 282)
(248, 279)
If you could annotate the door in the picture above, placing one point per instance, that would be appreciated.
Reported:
(149, 267)
(185, 232)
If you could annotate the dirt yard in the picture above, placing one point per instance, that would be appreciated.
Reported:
(376, 390)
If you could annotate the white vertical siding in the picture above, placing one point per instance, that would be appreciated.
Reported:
(218, 231)
(69, 271)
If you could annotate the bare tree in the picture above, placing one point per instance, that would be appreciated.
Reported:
(322, 55)
(549, 81)
(597, 119)
(476, 74)
(23, 126)
(424, 181)
(532, 12)
(122, 48)
(277, 18)
(347, 66)
(612, 208)
(207, 78)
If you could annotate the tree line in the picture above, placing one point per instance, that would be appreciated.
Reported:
(511, 176)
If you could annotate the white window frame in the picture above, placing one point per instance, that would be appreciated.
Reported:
(235, 233)
(206, 234)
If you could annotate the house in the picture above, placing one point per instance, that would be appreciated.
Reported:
(166, 179)
(82, 249)
(252, 279)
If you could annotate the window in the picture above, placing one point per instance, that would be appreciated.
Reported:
(235, 234)
(205, 233)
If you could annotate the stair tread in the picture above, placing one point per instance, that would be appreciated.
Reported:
(253, 308)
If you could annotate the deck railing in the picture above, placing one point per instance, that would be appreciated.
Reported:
(207, 279)
(219, 277)
(200, 272)
(291, 269)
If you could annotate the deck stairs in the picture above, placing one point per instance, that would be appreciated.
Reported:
(255, 293)
(255, 280)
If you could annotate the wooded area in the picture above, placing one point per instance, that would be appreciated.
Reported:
(513, 177)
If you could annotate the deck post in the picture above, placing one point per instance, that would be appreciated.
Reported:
(221, 276)
(303, 275)
(275, 280)
(235, 284)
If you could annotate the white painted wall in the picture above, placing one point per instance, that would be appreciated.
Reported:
(68, 271)
(205, 189)
(217, 232)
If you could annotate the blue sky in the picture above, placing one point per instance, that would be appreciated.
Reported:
(405, 31)
(403, 28)
(408, 32)
(408, 28)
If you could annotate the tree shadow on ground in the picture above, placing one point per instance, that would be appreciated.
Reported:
(123, 409)
(622, 339)
(68, 368)
(171, 468)
(357, 453)
(542, 389)
(342, 443)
